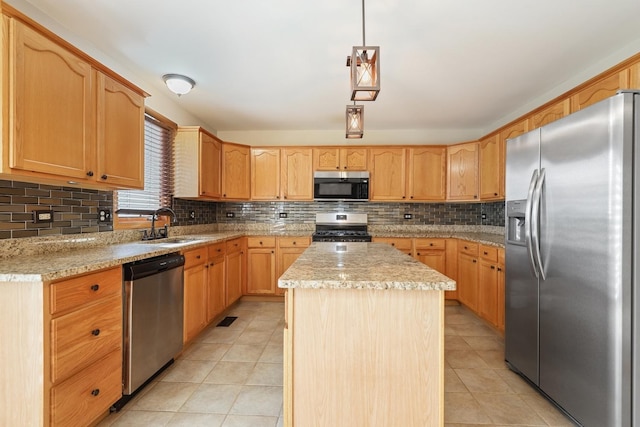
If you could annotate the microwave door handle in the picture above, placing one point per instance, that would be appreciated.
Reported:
(535, 222)
(527, 218)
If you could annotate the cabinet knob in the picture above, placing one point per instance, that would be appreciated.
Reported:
(499, 269)
(260, 242)
(430, 244)
(337, 167)
(393, 244)
(272, 252)
(285, 197)
(277, 197)
(403, 197)
(224, 195)
(466, 247)
(197, 256)
(485, 252)
(104, 176)
(418, 253)
(294, 242)
(95, 392)
(412, 197)
(95, 332)
(475, 196)
(345, 167)
(495, 194)
(219, 250)
(90, 173)
(493, 267)
(474, 261)
(95, 287)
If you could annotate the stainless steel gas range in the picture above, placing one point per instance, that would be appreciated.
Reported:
(341, 227)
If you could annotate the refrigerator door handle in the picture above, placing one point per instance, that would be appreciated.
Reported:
(528, 218)
(535, 222)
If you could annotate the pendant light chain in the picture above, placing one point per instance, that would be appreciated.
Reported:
(363, 39)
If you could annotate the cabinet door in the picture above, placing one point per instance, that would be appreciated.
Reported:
(286, 257)
(402, 244)
(236, 172)
(265, 174)
(468, 280)
(297, 174)
(261, 271)
(427, 172)
(501, 290)
(634, 75)
(51, 112)
(488, 291)
(326, 159)
(451, 250)
(210, 159)
(195, 298)
(388, 174)
(434, 259)
(234, 262)
(215, 288)
(491, 168)
(120, 125)
(600, 89)
(353, 159)
(550, 114)
(462, 168)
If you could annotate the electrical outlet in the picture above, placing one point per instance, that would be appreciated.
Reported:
(484, 216)
(104, 215)
(192, 214)
(42, 216)
(408, 216)
(284, 215)
(231, 215)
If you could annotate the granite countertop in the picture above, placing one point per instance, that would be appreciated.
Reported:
(361, 266)
(490, 239)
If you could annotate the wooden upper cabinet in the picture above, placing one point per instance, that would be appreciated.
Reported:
(68, 122)
(462, 171)
(198, 157)
(120, 125)
(388, 174)
(265, 173)
(550, 114)
(634, 76)
(236, 172)
(297, 174)
(332, 158)
(600, 89)
(51, 111)
(426, 173)
(492, 168)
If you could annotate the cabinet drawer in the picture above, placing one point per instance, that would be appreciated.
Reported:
(218, 249)
(430, 244)
(195, 257)
(234, 245)
(489, 253)
(85, 396)
(81, 290)
(83, 336)
(261, 242)
(468, 248)
(294, 242)
(398, 243)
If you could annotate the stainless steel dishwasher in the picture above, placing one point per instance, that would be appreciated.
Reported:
(153, 317)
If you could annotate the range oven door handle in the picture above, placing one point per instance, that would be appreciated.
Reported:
(528, 215)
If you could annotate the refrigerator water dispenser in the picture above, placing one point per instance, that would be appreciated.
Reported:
(516, 221)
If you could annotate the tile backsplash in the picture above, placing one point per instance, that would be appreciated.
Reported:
(76, 210)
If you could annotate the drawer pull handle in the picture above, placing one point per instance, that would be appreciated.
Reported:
(104, 176)
(90, 173)
(95, 287)
(95, 332)
(197, 256)
(95, 392)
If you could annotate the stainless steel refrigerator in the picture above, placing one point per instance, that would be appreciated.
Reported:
(572, 194)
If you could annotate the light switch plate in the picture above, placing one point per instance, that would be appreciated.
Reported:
(43, 216)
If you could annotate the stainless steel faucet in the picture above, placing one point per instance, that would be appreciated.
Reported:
(153, 234)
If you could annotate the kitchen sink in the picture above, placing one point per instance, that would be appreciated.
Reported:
(173, 242)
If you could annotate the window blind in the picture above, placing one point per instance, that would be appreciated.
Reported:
(158, 172)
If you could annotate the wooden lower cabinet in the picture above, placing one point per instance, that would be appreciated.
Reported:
(467, 282)
(195, 293)
(501, 290)
(216, 293)
(85, 348)
(289, 249)
(432, 252)
(234, 261)
(261, 265)
(403, 244)
(451, 268)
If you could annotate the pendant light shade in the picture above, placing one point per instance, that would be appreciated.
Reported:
(178, 84)
(365, 73)
(355, 121)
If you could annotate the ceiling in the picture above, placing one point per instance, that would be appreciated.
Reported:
(459, 68)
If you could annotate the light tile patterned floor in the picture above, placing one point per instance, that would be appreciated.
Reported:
(232, 377)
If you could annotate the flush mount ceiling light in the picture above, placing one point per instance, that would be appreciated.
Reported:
(364, 63)
(178, 84)
(355, 121)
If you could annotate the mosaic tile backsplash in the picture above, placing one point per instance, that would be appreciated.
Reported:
(76, 211)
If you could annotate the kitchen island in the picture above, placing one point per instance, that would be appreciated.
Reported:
(363, 338)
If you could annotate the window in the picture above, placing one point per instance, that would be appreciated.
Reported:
(134, 207)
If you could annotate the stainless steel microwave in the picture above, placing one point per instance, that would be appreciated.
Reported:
(341, 186)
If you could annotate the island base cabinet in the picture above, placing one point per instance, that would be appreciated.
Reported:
(363, 357)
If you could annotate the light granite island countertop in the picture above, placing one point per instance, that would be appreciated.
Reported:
(363, 338)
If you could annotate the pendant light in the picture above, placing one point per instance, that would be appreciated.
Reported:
(364, 63)
(355, 121)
